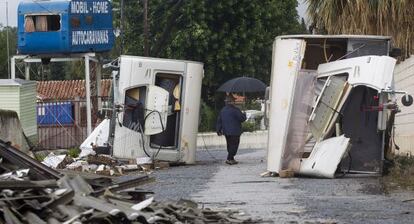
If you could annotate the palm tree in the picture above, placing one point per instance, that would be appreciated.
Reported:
(374, 17)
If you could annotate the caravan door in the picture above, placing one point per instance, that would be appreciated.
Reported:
(144, 114)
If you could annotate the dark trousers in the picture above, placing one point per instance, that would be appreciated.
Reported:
(232, 145)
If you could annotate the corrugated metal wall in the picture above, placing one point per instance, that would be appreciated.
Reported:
(9, 99)
(22, 99)
(404, 121)
(27, 113)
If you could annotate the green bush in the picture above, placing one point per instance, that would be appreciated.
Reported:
(252, 105)
(74, 152)
(249, 127)
(208, 117)
(40, 156)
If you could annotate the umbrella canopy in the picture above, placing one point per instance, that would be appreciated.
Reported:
(243, 84)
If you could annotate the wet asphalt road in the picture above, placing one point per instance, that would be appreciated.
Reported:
(275, 200)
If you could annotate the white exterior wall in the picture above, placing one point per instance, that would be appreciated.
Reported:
(191, 106)
(404, 121)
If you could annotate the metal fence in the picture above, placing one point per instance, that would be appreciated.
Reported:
(62, 124)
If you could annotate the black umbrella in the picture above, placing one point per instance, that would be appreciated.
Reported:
(242, 84)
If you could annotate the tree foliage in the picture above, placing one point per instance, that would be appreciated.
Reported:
(3, 46)
(379, 17)
(232, 38)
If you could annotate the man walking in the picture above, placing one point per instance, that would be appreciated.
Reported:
(229, 124)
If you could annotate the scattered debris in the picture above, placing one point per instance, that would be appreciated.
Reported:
(286, 173)
(18, 160)
(143, 160)
(101, 159)
(15, 175)
(57, 161)
(97, 138)
(80, 165)
(32, 192)
(103, 164)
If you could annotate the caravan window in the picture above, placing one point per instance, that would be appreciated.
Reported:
(134, 112)
(41, 23)
(358, 48)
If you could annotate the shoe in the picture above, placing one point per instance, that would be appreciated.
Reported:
(231, 162)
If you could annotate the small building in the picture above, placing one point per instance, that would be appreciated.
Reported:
(20, 96)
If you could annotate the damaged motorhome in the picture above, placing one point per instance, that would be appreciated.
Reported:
(332, 104)
(156, 110)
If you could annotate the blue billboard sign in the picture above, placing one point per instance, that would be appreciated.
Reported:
(62, 26)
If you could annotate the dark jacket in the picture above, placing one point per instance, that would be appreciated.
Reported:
(229, 120)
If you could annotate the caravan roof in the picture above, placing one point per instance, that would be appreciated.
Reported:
(342, 36)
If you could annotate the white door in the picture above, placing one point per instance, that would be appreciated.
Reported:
(156, 110)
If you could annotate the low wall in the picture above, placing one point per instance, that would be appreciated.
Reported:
(248, 140)
(11, 130)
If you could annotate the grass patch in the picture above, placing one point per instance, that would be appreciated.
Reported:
(400, 174)
(74, 152)
(39, 156)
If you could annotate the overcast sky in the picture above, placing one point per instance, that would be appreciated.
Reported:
(13, 11)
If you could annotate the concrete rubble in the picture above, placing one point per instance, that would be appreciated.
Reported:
(32, 192)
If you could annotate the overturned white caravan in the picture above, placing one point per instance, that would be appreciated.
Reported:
(332, 104)
(155, 110)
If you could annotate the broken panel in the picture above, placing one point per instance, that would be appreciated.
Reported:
(298, 128)
(325, 157)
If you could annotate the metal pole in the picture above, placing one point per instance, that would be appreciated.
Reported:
(27, 70)
(98, 84)
(13, 68)
(112, 121)
(88, 96)
(146, 29)
(7, 39)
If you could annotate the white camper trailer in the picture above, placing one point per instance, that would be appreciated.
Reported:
(157, 104)
(332, 104)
